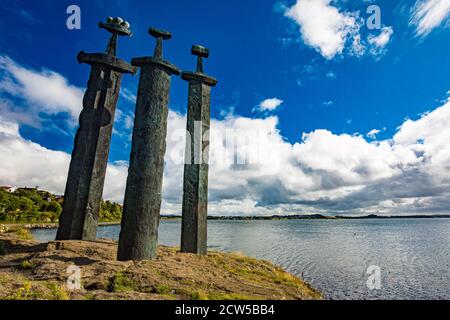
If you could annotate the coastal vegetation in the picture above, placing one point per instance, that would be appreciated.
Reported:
(30, 205)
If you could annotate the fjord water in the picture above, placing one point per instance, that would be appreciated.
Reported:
(333, 255)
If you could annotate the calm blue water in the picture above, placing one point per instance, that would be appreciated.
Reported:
(413, 254)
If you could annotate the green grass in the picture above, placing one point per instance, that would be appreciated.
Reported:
(58, 292)
(231, 296)
(89, 296)
(40, 290)
(4, 280)
(252, 270)
(27, 265)
(22, 233)
(162, 289)
(27, 291)
(24, 293)
(122, 283)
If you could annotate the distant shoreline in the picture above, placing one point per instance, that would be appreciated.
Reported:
(46, 209)
(313, 217)
(319, 216)
(28, 225)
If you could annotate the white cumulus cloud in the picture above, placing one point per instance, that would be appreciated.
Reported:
(323, 26)
(26, 163)
(38, 91)
(270, 104)
(429, 14)
(378, 43)
(333, 31)
(372, 134)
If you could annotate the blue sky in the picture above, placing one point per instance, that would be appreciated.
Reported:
(259, 50)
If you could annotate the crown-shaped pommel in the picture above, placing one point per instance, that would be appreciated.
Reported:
(116, 25)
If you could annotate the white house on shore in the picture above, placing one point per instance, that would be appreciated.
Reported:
(8, 188)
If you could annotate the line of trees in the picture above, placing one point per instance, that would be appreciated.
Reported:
(28, 205)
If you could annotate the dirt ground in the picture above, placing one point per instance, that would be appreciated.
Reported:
(32, 270)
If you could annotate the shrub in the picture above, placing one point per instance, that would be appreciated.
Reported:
(22, 233)
(27, 265)
(58, 292)
(121, 282)
(24, 293)
(162, 289)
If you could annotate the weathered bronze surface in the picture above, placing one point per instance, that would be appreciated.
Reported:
(84, 187)
(195, 185)
(139, 233)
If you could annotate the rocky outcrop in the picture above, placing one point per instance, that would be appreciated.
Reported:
(32, 270)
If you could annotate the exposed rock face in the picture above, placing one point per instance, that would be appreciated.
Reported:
(32, 270)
